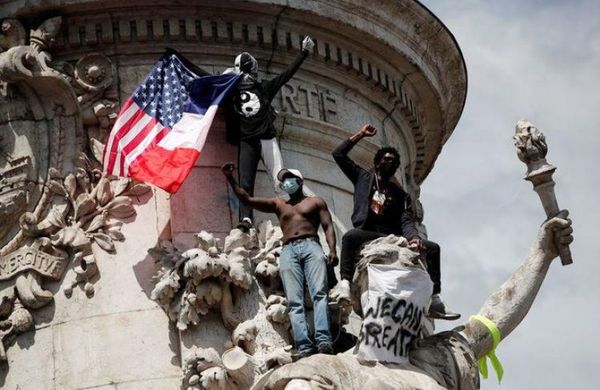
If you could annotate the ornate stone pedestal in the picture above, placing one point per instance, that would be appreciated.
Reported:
(89, 320)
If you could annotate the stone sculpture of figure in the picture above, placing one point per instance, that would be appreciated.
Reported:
(382, 207)
(443, 361)
(250, 122)
(302, 259)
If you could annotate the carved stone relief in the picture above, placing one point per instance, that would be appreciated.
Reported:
(211, 277)
(447, 360)
(57, 207)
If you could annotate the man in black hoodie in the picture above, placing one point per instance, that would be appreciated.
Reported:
(381, 207)
(250, 117)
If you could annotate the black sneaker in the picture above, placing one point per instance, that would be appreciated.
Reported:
(325, 348)
(245, 225)
(438, 310)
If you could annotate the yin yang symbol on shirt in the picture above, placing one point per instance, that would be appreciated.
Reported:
(248, 104)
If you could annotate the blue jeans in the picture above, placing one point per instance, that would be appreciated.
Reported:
(299, 261)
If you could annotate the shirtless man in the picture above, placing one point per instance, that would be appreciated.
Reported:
(302, 258)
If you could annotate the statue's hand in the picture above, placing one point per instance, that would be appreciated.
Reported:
(307, 43)
(555, 232)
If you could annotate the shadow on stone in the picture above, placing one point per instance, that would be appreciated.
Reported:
(145, 270)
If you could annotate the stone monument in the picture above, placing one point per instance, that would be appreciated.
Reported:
(83, 305)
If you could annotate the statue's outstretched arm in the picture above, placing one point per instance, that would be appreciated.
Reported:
(508, 306)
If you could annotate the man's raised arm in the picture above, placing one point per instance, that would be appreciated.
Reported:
(276, 83)
(340, 154)
(266, 205)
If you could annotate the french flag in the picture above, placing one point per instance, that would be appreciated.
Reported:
(161, 129)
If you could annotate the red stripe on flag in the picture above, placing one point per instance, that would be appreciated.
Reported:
(159, 136)
(166, 169)
(112, 135)
(135, 142)
(153, 143)
(116, 149)
(128, 127)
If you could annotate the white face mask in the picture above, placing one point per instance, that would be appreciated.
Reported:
(236, 64)
(290, 185)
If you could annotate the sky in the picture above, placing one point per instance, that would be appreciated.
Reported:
(538, 60)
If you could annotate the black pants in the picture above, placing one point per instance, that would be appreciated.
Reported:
(249, 154)
(354, 239)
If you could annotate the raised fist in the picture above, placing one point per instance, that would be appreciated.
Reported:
(368, 131)
(307, 43)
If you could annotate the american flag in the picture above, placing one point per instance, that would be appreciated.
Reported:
(167, 115)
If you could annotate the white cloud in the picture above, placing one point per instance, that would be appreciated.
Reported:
(540, 60)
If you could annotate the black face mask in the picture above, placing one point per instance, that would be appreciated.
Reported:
(247, 65)
(387, 169)
(247, 81)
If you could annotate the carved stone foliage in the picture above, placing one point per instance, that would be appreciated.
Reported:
(87, 208)
(211, 277)
(234, 369)
(200, 279)
(228, 277)
(18, 321)
(56, 206)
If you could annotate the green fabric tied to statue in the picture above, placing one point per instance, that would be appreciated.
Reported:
(482, 363)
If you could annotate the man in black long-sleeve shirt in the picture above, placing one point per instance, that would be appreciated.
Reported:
(382, 207)
(250, 117)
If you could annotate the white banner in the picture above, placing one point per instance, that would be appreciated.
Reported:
(394, 308)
